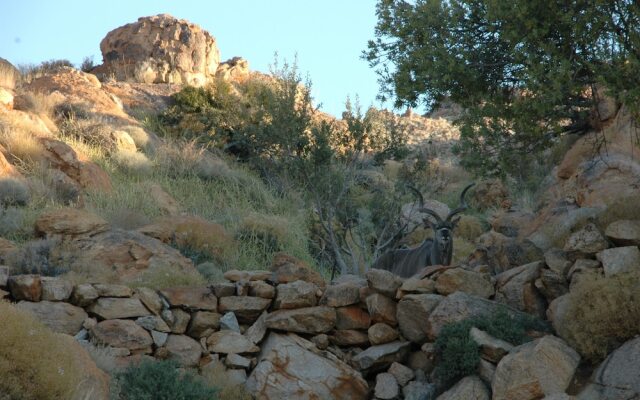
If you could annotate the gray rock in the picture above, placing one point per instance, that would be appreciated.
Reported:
(159, 338)
(486, 371)
(624, 232)
(321, 341)
(313, 320)
(412, 312)
(618, 376)
(619, 260)
(177, 319)
(381, 355)
(533, 370)
(402, 373)
(153, 323)
(113, 308)
(384, 282)
(419, 391)
(386, 387)
(349, 338)
(59, 317)
(237, 361)
(551, 284)
(256, 332)
(470, 387)
(55, 289)
(288, 366)
(229, 322)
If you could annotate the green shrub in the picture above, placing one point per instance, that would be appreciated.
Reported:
(602, 313)
(35, 257)
(35, 364)
(459, 355)
(160, 380)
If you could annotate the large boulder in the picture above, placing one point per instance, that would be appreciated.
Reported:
(9, 75)
(533, 370)
(116, 307)
(59, 317)
(287, 268)
(247, 309)
(192, 298)
(291, 367)
(184, 350)
(160, 49)
(297, 294)
(126, 257)
(618, 377)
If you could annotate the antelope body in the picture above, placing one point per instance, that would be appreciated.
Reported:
(436, 251)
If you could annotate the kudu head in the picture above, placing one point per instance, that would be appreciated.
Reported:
(443, 229)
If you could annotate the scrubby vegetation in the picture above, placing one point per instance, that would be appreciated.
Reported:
(34, 363)
(459, 355)
(602, 313)
(160, 380)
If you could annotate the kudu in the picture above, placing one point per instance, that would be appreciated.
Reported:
(433, 251)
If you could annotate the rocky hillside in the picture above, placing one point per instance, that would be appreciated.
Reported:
(124, 243)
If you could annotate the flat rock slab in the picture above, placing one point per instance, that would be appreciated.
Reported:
(624, 232)
(230, 342)
(115, 307)
(381, 355)
(290, 367)
(55, 289)
(303, 320)
(192, 298)
(123, 333)
(247, 309)
(412, 314)
(59, 317)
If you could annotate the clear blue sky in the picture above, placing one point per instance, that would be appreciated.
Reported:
(327, 35)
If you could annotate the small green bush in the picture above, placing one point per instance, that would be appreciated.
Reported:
(160, 380)
(459, 355)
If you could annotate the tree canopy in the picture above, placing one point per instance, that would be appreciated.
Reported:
(525, 71)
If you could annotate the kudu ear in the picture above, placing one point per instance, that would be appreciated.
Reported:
(454, 222)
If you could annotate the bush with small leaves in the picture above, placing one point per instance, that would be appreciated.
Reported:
(459, 355)
(160, 380)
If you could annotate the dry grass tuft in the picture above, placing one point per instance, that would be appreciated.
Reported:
(34, 363)
(167, 276)
(469, 228)
(602, 313)
(133, 162)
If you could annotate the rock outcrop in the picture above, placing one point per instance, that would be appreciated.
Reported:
(159, 49)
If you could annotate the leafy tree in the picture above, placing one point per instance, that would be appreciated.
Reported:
(525, 71)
